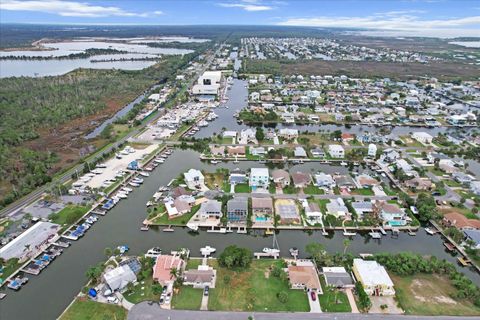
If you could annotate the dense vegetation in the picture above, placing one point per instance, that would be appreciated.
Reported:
(235, 257)
(30, 107)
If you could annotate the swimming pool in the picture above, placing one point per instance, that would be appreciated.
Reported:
(260, 219)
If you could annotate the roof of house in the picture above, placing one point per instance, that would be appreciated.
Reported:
(460, 221)
(262, 203)
(279, 174)
(286, 209)
(200, 276)
(306, 275)
(163, 265)
(239, 203)
(119, 277)
(236, 150)
(211, 206)
(337, 276)
(372, 273)
(300, 178)
(259, 172)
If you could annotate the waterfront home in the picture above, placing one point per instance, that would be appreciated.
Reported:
(336, 151)
(362, 207)
(366, 181)
(391, 214)
(288, 134)
(347, 137)
(301, 179)
(313, 213)
(208, 84)
(299, 152)
(259, 178)
(373, 277)
(390, 155)
(237, 209)
(418, 183)
(229, 134)
(303, 276)
(236, 151)
(262, 206)
(372, 150)
(337, 208)
(163, 266)
(217, 150)
(247, 136)
(179, 191)
(287, 210)
(337, 277)
(199, 278)
(30, 242)
(210, 209)
(237, 176)
(403, 165)
(462, 178)
(473, 236)
(281, 178)
(422, 137)
(459, 221)
(324, 180)
(257, 151)
(117, 279)
(194, 179)
(317, 152)
(288, 117)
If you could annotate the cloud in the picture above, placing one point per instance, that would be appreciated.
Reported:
(247, 5)
(71, 8)
(391, 21)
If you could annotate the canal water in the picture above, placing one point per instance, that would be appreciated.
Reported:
(47, 295)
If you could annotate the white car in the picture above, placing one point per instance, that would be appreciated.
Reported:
(112, 299)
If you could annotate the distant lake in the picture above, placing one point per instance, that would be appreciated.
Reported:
(31, 68)
(468, 44)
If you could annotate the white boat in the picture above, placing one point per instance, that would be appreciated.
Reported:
(133, 184)
(192, 226)
(429, 231)
(137, 180)
(127, 189)
(203, 123)
(270, 251)
(143, 173)
(206, 251)
(149, 204)
(122, 195)
(375, 235)
(153, 252)
(214, 161)
(343, 163)
(159, 160)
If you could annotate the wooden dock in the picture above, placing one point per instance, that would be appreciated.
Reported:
(450, 247)
(274, 255)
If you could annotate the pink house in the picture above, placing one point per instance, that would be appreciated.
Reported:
(163, 265)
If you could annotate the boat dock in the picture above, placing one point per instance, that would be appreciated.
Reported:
(168, 229)
(273, 255)
(450, 247)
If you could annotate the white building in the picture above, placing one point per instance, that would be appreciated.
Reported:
(259, 178)
(119, 278)
(208, 83)
(336, 151)
(194, 179)
(373, 277)
(372, 150)
(422, 137)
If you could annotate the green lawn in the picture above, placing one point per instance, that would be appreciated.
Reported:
(254, 290)
(179, 221)
(9, 267)
(452, 183)
(242, 188)
(363, 192)
(193, 263)
(86, 310)
(187, 298)
(138, 294)
(311, 189)
(69, 214)
(290, 189)
(433, 295)
(333, 300)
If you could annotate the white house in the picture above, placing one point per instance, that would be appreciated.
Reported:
(337, 208)
(372, 150)
(323, 180)
(373, 277)
(208, 83)
(259, 178)
(422, 137)
(336, 151)
(194, 179)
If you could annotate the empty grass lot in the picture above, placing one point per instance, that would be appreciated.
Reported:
(311, 189)
(179, 221)
(426, 294)
(254, 290)
(142, 292)
(187, 298)
(86, 310)
(242, 188)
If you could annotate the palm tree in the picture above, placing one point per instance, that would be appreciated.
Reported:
(173, 273)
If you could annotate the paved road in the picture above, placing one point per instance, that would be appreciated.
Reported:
(144, 311)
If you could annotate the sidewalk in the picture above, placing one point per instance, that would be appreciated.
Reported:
(351, 300)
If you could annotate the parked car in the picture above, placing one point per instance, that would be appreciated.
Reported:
(313, 295)
(112, 299)
(205, 290)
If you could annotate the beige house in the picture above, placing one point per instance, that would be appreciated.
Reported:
(373, 277)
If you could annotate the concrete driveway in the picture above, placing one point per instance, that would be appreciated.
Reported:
(314, 305)
(204, 306)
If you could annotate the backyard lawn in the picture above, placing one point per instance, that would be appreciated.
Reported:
(86, 310)
(311, 189)
(182, 220)
(187, 298)
(142, 292)
(242, 188)
(254, 290)
(363, 192)
(426, 294)
(214, 180)
(69, 214)
(193, 263)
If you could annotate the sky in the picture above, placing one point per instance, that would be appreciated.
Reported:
(442, 18)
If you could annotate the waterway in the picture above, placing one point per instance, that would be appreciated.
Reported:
(48, 294)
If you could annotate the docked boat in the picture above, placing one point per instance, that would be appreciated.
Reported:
(17, 283)
(127, 189)
(214, 161)
(430, 231)
(133, 184)
(192, 226)
(143, 173)
(207, 250)
(138, 180)
(122, 195)
(149, 203)
(123, 249)
(375, 235)
(153, 252)
(343, 163)
(159, 160)
(270, 250)
(203, 123)
(293, 251)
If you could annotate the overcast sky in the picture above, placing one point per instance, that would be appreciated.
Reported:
(442, 18)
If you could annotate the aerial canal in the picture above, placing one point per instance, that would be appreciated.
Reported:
(58, 284)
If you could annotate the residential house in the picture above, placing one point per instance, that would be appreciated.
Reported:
(336, 151)
(347, 137)
(372, 150)
(418, 183)
(344, 181)
(162, 270)
(422, 137)
(337, 208)
(236, 151)
(288, 134)
(366, 181)
(117, 279)
(287, 210)
(199, 278)
(281, 178)
(462, 178)
(313, 212)
(323, 180)
(237, 176)
(217, 150)
(390, 155)
(237, 209)
(373, 277)
(259, 178)
(258, 151)
(459, 221)
(301, 179)
(210, 209)
(317, 152)
(362, 207)
(303, 276)
(391, 214)
(475, 187)
(473, 236)
(247, 136)
(299, 152)
(337, 277)
(262, 206)
(194, 179)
